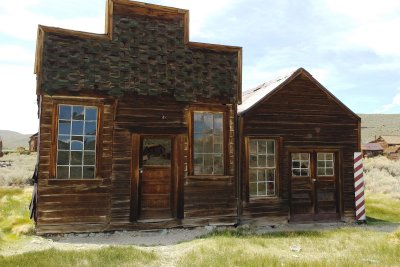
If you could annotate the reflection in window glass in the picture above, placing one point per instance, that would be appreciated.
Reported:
(76, 142)
(156, 152)
(208, 155)
(300, 164)
(325, 164)
(262, 167)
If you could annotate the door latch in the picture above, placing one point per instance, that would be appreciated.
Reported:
(314, 180)
(140, 170)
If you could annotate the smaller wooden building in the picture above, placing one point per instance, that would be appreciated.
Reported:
(33, 142)
(297, 145)
(370, 150)
(389, 143)
(1, 147)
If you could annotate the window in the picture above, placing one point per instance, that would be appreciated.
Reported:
(262, 167)
(208, 136)
(325, 164)
(76, 142)
(301, 164)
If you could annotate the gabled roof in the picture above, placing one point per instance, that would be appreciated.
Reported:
(372, 147)
(391, 139)
(251, 98)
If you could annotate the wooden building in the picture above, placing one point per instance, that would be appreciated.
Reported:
(1, 147)
(136, 125)
(296, 149)
(370, 150)
(388, 141)
(33, 142)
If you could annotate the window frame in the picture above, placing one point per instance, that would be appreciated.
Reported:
(309, 168)
(98, 103)
(225, 137)
(325, 161)
(246, 171)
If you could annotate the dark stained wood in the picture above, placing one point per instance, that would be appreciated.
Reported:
(304, 116)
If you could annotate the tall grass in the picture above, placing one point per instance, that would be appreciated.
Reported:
(112, 256)
(382, 176)
(341, 247)
(14, 213)
(21, 171)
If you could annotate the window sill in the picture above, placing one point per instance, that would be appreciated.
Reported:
(55, 181)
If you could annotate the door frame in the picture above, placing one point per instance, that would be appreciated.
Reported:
(338, 173)
(177, 170)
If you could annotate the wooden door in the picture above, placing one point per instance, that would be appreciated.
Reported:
(314, 185)
(155, 184)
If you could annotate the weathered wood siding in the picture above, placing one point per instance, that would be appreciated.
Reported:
(304, 117)
(73, 205)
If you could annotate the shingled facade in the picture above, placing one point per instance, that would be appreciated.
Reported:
(136, 125)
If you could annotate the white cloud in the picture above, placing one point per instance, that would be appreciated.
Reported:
(18, 101)
(391, 106)
(370, 24)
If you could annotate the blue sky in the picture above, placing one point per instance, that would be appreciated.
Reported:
(351, 46)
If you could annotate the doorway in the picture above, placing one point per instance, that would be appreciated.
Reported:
(314, 185)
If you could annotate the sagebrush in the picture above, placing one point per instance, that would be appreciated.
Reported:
(21, 170)
(382, 176)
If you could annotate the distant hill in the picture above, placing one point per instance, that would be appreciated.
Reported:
(12, 140)
(374, 125)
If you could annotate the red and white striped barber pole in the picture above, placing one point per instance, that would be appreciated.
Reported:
(359, 187)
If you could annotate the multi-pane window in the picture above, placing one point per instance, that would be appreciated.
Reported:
(325, 164)
(208, 152)
(76, 141)
(262, 167)
(301, 164)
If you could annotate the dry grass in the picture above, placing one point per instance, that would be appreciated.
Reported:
(382, 176)
(20, 172)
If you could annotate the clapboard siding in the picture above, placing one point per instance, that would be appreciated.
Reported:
(303, 116)
(73, 205)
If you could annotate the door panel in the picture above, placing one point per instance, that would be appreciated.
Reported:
(155, 179)
(314, 196)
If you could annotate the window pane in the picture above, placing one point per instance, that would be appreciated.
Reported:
(253, 189)
(304, 156)
(90, 143)
(62, 172)
(304, 164)
(271, 175)
(76, 158)
(198, 143)
(88, 172)
(208, 143)
(329, 171)
(270, 189)
(76, 172)
(329, 164)
(262, 189)
(253, 175)
(217, 123)
(261, 175)
(253, 160)
(262, 147)
(329, 156)
(304, 172)
(91, 114)
(295, 156)
(218, 165)
(320, 164)
(63, 142)
(296, 172)
(296, 164)
(271, 147)
(90, 128)
(89, 158)
(262, 161)
(253, 146)
(271, 161)
(64, 127)
(63, 158)
(64, 112)
(208, 164)
(321, 171)
(208, 123)
(77, 113)
(320, 156)
(77, 126)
